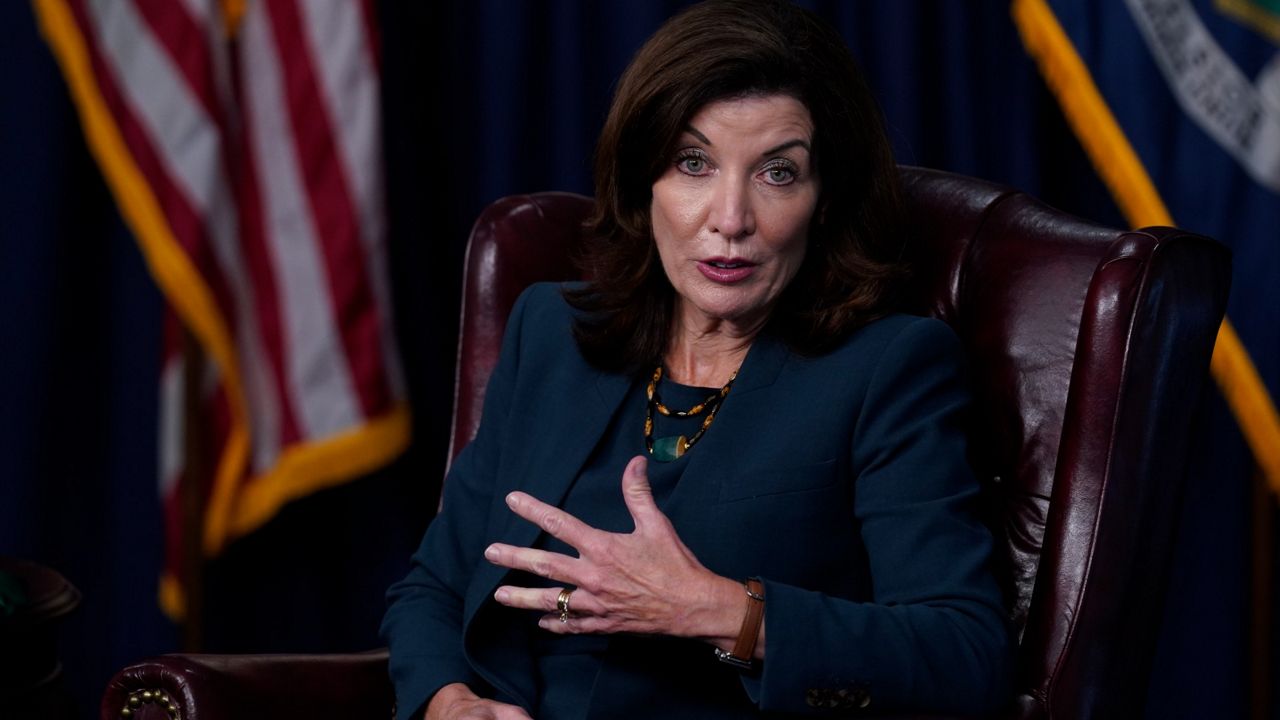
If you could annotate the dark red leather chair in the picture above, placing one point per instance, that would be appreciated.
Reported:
(1089, 348)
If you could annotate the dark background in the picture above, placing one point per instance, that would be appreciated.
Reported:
(482, 99)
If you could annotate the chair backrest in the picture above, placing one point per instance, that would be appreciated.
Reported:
(1089, 348)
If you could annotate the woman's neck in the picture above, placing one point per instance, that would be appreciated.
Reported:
(706, 353)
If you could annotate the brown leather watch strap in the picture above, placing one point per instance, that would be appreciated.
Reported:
(744, 649)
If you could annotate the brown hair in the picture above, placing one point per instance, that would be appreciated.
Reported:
(726, 49)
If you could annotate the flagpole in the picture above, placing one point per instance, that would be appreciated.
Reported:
(193, 490)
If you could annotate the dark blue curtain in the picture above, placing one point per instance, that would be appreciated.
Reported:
(79, 353)
(483, 98)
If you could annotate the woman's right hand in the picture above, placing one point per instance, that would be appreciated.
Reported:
(456, 702)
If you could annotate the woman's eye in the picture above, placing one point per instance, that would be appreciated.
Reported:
(779, 175)
(692, 164)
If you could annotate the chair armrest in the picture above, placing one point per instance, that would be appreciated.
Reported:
(248, 687)
(262, 687)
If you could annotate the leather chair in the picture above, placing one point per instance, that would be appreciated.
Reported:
(1089, 349)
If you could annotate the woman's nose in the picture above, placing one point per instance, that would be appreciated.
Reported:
(732, 214)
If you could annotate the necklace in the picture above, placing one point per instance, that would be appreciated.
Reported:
(666, 449)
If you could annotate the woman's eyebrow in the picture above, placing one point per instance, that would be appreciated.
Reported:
(694, 132)
(788, 145)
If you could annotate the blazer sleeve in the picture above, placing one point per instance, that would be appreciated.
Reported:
(423, 623)
(934, 636)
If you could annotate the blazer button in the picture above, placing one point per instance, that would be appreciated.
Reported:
(862, 698)
(819, 698)
(843, 699)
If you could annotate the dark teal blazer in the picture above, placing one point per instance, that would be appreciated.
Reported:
(840, 480)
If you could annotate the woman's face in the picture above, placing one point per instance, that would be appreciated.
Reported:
(731, 212)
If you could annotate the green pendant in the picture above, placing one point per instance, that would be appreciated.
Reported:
(666, 449)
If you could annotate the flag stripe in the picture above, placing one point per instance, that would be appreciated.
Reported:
(187, 142)
(200, 11)
(184, 216)
(189, 145)
(171, 406)
(199, 61)
(331, 205)
(342, 70)
(188, 46)
(183, 220)
(317, 378)
(348, 78)
(261, 266)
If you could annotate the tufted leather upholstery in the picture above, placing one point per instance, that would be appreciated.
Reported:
(252, 687)
(1089, 348)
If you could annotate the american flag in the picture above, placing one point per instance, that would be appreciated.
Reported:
(241, 140)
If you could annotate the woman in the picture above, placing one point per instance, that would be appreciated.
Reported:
(793, 531)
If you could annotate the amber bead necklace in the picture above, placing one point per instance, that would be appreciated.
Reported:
(666, 449)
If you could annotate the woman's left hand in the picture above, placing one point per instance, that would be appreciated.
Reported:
(646, 581)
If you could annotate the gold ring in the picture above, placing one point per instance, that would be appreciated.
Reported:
(562, 604)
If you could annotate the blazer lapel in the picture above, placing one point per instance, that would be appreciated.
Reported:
(554, 465)
(545, 470)
(549, 469)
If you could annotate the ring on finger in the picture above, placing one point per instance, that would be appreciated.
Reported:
(562, 604)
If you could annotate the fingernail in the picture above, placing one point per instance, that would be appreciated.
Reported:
(544, 623)
(491, 552)
(502, 595)
(511, 499)
(639, 468)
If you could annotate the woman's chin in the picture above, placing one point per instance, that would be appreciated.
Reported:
(743, 313)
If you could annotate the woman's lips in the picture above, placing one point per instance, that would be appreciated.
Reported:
(726, 270)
